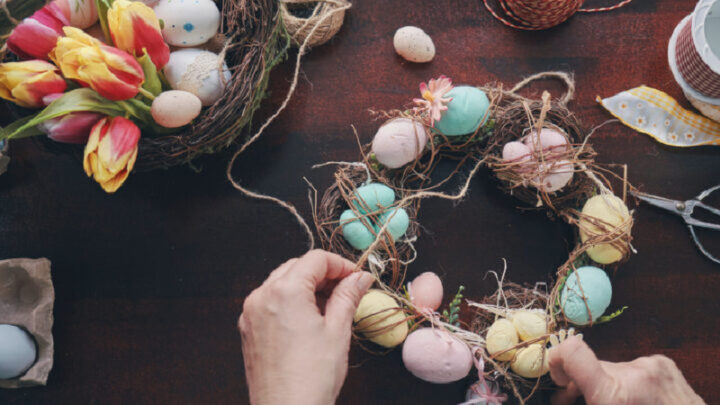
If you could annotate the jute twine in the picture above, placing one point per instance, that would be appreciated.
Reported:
(542, 14)
(316, 29)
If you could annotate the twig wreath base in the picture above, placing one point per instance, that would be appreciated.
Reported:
(511, 116)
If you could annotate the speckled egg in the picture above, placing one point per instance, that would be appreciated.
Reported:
(514, 152)
(355, 232)
(199, 72)
(399, 142)
(17, 351)
(530, 361)
(397, 221)
(611, 210)
(555, 176)
(529, 324)
(188, 22)
(372, 197)
(550, 140)
(501, 336)
(175, 108)
(466, 112)
(587, 288)
(413, 44)
(436, 356)
(380, 318)
(426, 291)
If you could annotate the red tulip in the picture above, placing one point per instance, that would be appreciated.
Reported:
(36, 35)
(135, 29)
(71, 128)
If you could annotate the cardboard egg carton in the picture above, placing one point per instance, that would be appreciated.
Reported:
(26, 300)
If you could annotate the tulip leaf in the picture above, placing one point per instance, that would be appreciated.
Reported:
(152, 81)
(102, 8)
(72, 101)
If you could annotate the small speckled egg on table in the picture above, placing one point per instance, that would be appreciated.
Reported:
(586, 289)
(436, 356)
(188, 22)
(197, 71)
(17, 351)
(466, 112)
(175, 108)
(413, 44)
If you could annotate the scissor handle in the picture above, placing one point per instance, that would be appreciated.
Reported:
(701, 247)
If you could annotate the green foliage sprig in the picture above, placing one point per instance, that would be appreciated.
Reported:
(452, 314)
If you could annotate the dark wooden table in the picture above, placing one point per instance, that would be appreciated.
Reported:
(150, 281)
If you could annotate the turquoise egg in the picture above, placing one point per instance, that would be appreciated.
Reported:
(375, 195)
(355, 232)
(466, 111)
(596, 290)
(399, 221)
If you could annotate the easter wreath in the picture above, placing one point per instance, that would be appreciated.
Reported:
(539, 153)
(103, 72)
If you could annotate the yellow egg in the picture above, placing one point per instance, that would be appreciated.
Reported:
(380, 318)
(530, 324)
(611, 210)
(500, 337)
(530, 361)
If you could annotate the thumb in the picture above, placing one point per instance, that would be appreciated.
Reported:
(345, 298)
(574, 363)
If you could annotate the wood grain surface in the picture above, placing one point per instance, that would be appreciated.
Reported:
(150, 281)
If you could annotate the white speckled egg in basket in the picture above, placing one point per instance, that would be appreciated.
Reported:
(198, 72)
(188, 22)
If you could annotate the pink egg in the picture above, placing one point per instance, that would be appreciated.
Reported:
(426, 291)
(436, 356)
(549, 140)
(555, 176)
(516, 152)
(399, 142)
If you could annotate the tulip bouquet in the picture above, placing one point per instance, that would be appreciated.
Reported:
(99, 73)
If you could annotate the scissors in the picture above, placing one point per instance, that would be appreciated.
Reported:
(685, 209)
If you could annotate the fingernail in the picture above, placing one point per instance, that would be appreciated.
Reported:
(364, 280)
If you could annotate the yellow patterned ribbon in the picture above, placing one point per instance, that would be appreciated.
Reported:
(655, 113)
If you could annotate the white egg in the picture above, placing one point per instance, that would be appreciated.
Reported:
(188, 22)
(550, 140)
(414, 44)
(399, 142)
(555, 176)
(17, 351)
(175, 108)
(197, 71)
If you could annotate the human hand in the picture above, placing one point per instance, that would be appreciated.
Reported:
(296, 330)
(652, 380)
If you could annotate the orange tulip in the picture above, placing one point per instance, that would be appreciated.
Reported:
(26, 83)
(135, 28)
(111, 152)
(113, 73)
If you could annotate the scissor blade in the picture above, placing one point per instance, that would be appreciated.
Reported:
(661, 202)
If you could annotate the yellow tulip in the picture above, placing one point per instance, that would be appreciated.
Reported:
(113, 73)
(26, 83)
(135, 28)
(111, 152)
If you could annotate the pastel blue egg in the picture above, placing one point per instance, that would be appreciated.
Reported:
(596, 290)
(398, 222)
(17, 351)
(376, 196)
(466, 111)
(355, 232)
